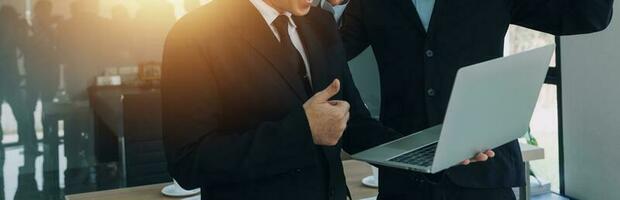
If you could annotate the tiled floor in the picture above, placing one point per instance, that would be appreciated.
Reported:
(45, 176)
(49, 174)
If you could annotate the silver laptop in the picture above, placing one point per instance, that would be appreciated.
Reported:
(491, 104)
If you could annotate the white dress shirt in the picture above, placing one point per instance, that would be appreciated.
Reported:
(270, 14)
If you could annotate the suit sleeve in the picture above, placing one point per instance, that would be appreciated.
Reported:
(363, 132)
(563, 17)
(352, 30)
(198, 150)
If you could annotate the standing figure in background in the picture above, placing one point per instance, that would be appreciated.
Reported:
(153, 21)
(43, 71)
(120, 38)
(13, 34)
(41, 62)
(80, 48)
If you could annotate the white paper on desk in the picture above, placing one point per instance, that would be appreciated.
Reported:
(197, 197)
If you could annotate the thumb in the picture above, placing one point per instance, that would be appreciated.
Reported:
(329, 92)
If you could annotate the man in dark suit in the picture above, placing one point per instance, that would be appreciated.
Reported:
(245, 112)
(419, 46)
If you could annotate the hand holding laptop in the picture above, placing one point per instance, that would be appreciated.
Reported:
(480, 157)
(491, 105)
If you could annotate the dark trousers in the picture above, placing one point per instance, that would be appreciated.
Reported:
(48, 122)
(440, 187)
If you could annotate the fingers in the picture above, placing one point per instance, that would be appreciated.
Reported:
(466, 162)
(340, 127)
(342, 105)
(341, 113)
(490, 153)
(327, 93)
(341, 109)
(480, 157)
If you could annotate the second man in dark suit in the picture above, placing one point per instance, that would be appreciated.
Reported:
(421, 44)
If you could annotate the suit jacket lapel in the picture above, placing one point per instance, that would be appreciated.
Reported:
(432, 26)
(258, 34)
(409, 10)
(321, 78)
(315, 52)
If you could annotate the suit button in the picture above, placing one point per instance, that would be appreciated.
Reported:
(298, 170)
(431, 92)
(429, 53)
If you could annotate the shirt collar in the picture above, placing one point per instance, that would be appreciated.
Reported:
(270, 14)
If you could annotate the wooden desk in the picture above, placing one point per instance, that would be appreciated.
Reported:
(355, 171)
(128, 131)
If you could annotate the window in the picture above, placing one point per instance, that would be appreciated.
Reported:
(544, 124)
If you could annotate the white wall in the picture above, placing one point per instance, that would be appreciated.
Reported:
(591, 111)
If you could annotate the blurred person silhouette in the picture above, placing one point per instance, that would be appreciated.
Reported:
(80, 42)
(27, 187)
(13, 34)
(42, 66)
(120, 38)
(51, 178)
(153, 21)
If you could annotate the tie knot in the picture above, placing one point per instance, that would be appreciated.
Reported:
(281, 23)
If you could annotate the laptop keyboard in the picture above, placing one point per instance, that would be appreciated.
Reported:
(420, 157)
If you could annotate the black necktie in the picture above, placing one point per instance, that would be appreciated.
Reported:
(281, 24)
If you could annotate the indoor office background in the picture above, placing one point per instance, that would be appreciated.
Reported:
(50, 105)
(47, 64)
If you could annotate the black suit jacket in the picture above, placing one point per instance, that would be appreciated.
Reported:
(233, 120)
(418, 68)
